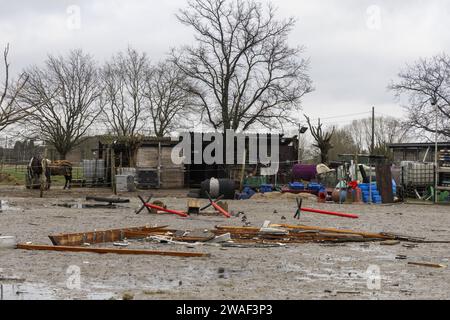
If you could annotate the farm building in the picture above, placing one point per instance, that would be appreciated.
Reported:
(420, 152)
(154, 163)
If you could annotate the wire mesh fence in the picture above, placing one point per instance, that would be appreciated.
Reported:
(16, 173)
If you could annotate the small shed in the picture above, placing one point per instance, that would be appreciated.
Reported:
(156, 154)
(420, 152)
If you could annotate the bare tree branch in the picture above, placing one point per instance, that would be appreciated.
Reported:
(322, 138)
(424, 83)
(67, 91)
(242, 70)
(11, 111)
(169, 97)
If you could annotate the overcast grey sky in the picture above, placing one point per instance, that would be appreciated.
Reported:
(356, 46)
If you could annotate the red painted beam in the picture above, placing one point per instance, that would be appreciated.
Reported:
(220, 209)
(158, 208)
(345, 215)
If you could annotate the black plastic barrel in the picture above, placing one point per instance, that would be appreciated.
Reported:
(217, 187)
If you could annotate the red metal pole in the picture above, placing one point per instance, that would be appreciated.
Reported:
(345, 215)
(220, 209)
(158, 208)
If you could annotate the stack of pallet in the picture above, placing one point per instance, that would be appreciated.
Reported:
(444, 164)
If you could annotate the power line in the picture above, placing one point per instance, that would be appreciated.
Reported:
(343, 116)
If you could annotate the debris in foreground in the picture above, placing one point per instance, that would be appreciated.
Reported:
(267, 234)
(111, 250)
(427, 264)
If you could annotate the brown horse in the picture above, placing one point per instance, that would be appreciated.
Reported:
(39, 166)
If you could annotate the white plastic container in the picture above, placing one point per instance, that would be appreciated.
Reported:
(8, 242)
(125, 183)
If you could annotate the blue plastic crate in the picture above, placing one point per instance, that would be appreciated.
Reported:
(315, 186)
(264, 188)
(296, 186)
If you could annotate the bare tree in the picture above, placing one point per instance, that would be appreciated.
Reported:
(322, 139)
(169, 96)
(343, 142)
(388, 130)
(124, 84)
(424, 84)
(67, 90)
(11, 111)
(124, 80)
(242, 70)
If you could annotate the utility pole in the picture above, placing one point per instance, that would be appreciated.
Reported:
(372, 147)
(299, 154)
(436, 166)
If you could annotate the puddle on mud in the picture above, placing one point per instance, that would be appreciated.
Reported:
(25, 291)
(28, 291)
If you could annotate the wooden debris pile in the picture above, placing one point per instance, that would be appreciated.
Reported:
(267, 236)
(269, 233)
(298, 234)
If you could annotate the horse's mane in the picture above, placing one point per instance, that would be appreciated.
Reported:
(64, 163)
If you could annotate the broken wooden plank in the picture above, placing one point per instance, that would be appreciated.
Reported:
(107, 200)
(111, 251)
(176, 235)
(390, 242)
(293, 236)
(100, 236)
(427, 264)
(364, 234)
(327, 233)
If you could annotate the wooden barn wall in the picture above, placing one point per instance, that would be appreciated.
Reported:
(172, 175)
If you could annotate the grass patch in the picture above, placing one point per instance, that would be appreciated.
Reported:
(15, 175)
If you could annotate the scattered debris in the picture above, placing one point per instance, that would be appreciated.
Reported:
(108, 200)
(109, 203)
(12, 279)
(297, 234)
(266, 229)
(127, 296)
(121, 244)
(86, 206)
(390, 243)
(102, 236)
(221, 238)
(427, 264)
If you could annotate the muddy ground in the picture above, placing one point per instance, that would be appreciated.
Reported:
(306, 271)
